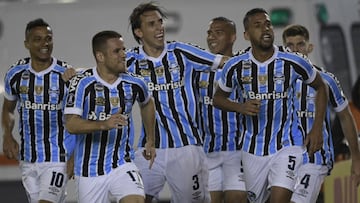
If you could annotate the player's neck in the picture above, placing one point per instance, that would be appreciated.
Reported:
(228, 53)
(153, 51)
(39, 65)
(262, 55)
(107, 76)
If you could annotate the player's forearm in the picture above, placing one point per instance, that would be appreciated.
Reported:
(77, 125)
(221, 101)
(349, 128)
(7, 117)
(226, 104)
(7, 123)
(148, 119)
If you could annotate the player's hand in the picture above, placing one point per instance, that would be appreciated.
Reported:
(68, 74)
(70, 167)
(10, 147)
(149, 153)
(117, 120)
(251, 107)
(314, 141)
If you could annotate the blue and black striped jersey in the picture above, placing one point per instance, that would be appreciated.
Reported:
(40, 97)
(171, 81)
(92, 98)
(220, 129)
(305, 108)
(272, 82)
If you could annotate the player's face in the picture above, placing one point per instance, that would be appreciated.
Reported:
(260, 31)
(299, 44)
(220, 38)
(39, 42)
(151, 31)
(114, 57)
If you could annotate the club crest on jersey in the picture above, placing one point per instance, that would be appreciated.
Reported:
(246, 64)
(279, 78)
(174, 67)
(100, 101)
(114, 101)
(310, 98)
(25, 75)
(203, 84)
(143, 63)
(159, 71)
(262, 79)
(145, 72)
(99, 87)
(38, 89)
(246, 79)
(53, 91)
(23, 89)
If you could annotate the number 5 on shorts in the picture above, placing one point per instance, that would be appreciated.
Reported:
(292, 162)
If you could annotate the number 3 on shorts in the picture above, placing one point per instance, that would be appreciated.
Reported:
(196, 182)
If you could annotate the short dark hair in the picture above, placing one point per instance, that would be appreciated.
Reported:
(99, 40)
(251, 13)
(231, 23)
(294, 30)
(39, 22)
(134, 18)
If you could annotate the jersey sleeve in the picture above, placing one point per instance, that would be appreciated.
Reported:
(337, 97)
(9, 80)
(76, 96)
(226, 81)
(9, 92)
(144, 94)
(308, 71)
(201, 59)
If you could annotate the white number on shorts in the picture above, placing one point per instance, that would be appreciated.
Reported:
(292, 161)
(196, 182)
(57, 179)
(134, 175)
(305, 180)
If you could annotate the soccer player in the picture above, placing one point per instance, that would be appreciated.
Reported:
(265, 76)
(98, 111)
(169, 68)
(316, 167)
(35, 86)
(221, 133)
